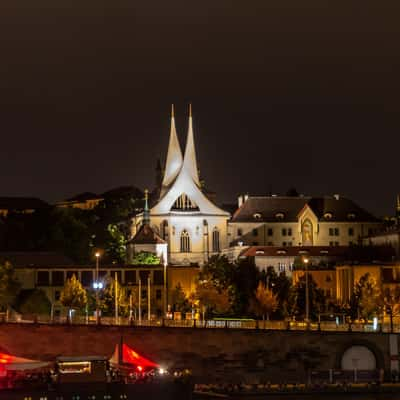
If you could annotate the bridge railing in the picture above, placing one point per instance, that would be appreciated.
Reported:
(329, 326)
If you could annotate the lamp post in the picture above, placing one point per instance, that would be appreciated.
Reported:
(307, 294)
(96, 287)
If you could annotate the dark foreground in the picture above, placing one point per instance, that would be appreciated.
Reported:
(96, 391)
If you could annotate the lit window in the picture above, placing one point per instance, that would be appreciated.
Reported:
(184, 203)
(185, 242)
(215, 240)
(351, 216)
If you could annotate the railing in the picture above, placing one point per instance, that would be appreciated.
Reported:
(329, 326)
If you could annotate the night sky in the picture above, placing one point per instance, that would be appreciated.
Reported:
(284, 93)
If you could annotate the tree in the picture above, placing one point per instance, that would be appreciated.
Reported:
(316, 298)
(245, 280)
(145, 258)
(212, 300)
(179, 299)
(266, 301)
(391, 302)
(366, 299)
(116, 245)
(282, 288)
(107, 299)
(371, 298)
(9, 285)
(73, 295)
(219, 270)
(33, 301)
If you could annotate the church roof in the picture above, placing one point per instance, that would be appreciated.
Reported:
(266, 209)
(147, 235)
(185, 182)
(287, 209)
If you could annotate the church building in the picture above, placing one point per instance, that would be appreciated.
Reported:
(193, 227)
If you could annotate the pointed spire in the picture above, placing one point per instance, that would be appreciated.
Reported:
(146, 212)
(174, 155)
(189, 159)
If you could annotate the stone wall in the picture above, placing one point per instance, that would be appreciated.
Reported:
(212, 354)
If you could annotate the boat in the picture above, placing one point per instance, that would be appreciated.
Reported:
(126, 375)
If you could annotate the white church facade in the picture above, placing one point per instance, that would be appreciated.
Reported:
(187, 227)
(193, 227)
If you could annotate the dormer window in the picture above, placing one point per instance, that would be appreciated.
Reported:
(281, 252)
(279, 215)
(257, 215)
(303, 252)
(260, 252)
(328, 215)
(184, 203)
(351, 216)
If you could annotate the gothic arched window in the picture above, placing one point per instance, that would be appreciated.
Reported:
(215, 240)
(185, 242)
(184, 203)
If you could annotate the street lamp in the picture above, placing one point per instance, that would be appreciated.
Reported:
(306, 260)
(97, 286)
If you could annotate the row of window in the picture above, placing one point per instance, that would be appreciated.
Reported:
(185, 243)
(288, 232)
(87, 277)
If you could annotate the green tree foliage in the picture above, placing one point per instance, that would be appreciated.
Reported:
(317, 300)
(73, 295)
(220, 271)
(107, 299)
(9, 285)
(116, 245)
(266, 301)
(145, 258)
(179, 300)
(33, 301)
(244, 284)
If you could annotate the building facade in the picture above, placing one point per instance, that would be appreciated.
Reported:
(193, 227)
(300, 221)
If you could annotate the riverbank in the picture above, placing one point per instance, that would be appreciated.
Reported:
(293, 390)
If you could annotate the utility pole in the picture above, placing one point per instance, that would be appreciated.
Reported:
(116, 298)
(148, 298)
(96, 287)
(307, 295)
(140, 301)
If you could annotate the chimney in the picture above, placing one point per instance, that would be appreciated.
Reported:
(246, 196)
(336, 196)
(240, 200)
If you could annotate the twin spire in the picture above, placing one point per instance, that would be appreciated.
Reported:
(175, 163)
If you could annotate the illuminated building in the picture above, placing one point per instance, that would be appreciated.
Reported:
(191, 224)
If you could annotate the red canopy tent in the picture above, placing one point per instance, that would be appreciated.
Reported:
(130, 357)
(9, 362)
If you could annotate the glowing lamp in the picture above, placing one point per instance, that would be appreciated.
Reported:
(139, 368)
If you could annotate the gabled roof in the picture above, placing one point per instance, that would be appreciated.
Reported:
(146, 235)
(287, 209)
(268, 207)
(84, 196)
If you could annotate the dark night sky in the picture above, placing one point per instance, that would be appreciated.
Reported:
(285, 93)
